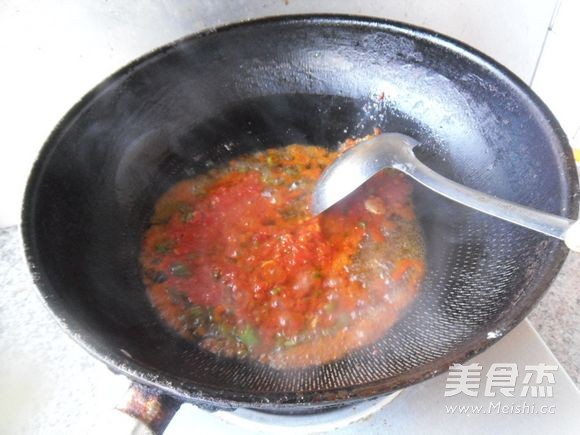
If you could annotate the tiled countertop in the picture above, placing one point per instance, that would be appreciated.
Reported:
(557, 317)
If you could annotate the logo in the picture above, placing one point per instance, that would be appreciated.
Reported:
(501, 381)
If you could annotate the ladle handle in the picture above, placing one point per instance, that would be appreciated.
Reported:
(546, 223)
(143, 411)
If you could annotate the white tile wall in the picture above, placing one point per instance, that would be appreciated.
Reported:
(557, 79)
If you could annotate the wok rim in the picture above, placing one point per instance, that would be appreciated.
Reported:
(229, 398)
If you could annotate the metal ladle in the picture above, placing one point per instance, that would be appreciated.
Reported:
(395, 150)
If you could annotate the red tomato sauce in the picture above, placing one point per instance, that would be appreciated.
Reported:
(234, 259)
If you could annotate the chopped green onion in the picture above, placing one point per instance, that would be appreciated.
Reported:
(187, 217)
(157, 276)
(224, 329)
(163, 247)
(196, 311)
(249, 337)
(291, 342)
(330, 307)
(280, 339)
(186, 212)
(174, 295)
(179, 269)
(198, 318)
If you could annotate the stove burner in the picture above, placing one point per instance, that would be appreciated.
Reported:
(304, 423)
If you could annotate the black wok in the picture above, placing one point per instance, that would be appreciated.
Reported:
(318, 80)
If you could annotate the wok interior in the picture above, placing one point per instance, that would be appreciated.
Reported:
(191, 106)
